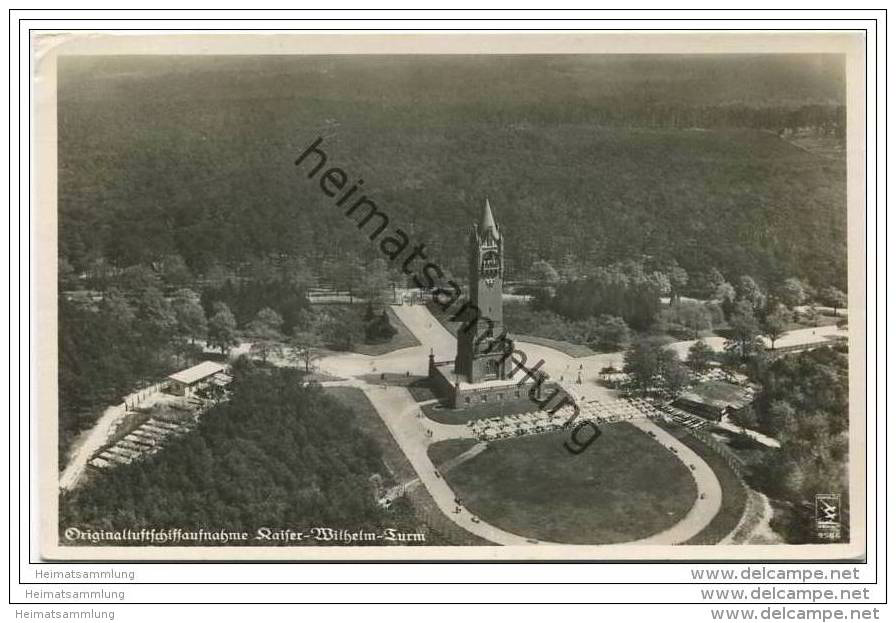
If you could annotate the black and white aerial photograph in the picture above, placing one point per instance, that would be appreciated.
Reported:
(463, 305)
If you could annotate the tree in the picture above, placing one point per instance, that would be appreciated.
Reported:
(792, 292)
(725, 295)
(611, 332)
(297, 273)
(543, 272)
(646, 361)
(174, 270)
(775, 324)
(339, 333)
(812, 316)
(625, 289)
(375, 282)
(714, 279)
(699, 356)
(303, 348)
(748, 290)
(347, 275)
(379, 329)
(744, 331)
(138, 278)
(155, 314)
(676, 375)
(569, 268)
(190, 317)
(222, 329)
(66, 273)
(678, 280)
(694, 316)
(99, 273)
(780, 419)
(116, 308)
(641, 362)
(266, 332)
(834, 298)
(745, 417)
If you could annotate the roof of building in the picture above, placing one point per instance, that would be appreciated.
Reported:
(198, 372)
(719, 394)
(488, 221)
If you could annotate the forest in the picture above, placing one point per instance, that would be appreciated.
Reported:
(592, 159)
(804, 403)
(139, 324)
(278, 454)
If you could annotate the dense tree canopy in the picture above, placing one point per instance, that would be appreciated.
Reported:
(278, 454)
(596, 160)
(805, 403)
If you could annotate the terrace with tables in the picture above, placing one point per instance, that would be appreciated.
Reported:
(146, 439)
(536, 422)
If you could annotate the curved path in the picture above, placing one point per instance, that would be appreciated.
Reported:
(414, 432)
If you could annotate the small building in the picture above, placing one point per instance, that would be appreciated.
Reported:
(713, 400)
(186, 382)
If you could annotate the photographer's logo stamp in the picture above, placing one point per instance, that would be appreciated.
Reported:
(827, 516)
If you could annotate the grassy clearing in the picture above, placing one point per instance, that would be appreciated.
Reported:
(403, 338)
(443, 451)
(624, 487)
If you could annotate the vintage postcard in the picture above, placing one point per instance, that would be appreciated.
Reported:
(450, 297)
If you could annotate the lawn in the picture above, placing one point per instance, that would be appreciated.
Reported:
(403, 338)
(734, 495)
(417, 385)
(623, 487)
(443, 451)
(444, 415)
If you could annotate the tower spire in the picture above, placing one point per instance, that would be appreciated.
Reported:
(488, 221)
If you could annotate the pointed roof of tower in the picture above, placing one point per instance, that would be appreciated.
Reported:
(488, 221)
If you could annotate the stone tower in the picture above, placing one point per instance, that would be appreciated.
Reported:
(481, 348)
